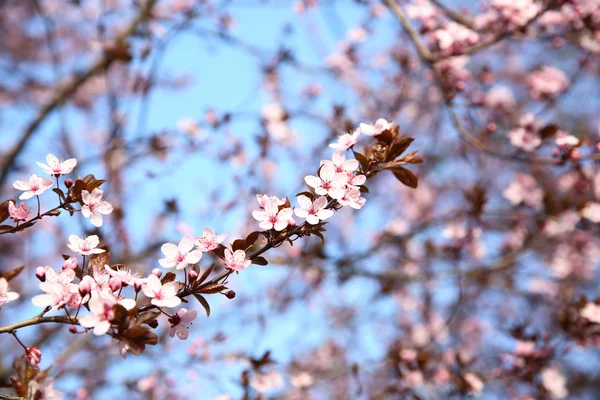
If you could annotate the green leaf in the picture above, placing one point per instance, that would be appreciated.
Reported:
(204, 303)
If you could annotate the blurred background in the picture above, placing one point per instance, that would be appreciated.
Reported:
(473, 284)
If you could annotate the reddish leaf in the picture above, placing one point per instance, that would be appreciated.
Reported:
(398, 147)
(213, 288)
(406, 176)
(204, 303)
(12, 273)
(259, 261)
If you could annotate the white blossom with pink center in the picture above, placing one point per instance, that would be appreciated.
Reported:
(180, 256)
(60, 290)
(591, 211)
(21, 213)
(339, 162)
(57, 167)
(178, 323)
(209, 240)
(102, 307)
(328, 182)
(524, 190)
(272, 218)
(313, 212)
(161, 295)
(236, 260)
(352, 199)
(546, 82)
(377, 128)
(86, 246)
(93, 206)
(6, 295)
(35, 186)
(123, 274)
(346, 141)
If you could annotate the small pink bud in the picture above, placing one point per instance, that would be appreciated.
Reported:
(85, 286)
(575, 155)
(40, 273)
(492, 127)
(70, 263)
(555, 152)
(33, 355)
(114, 284)
(157, 272)
(68, 183)
(192, 275)
(153, 324)
(137, 285)
(72, 329)
(230, 294)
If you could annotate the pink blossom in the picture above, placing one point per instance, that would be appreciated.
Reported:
(102, 307)
(122, 274)
(354, 181)
(352, 199)
(454, 38)
(517, 13)
(178, 322)
(46, 389)
(313, 211)
(273, 218)
(339, 162)
(346, 141)
(591, 211)
(525, 135)
(209, 240)
(591, 312)
(57, 167)
(70, 263)
(500, 97)
(180, 256)
(328, 182)
(189, 126)
(565, 223)
(34, 187)
(93, 206)
(5, 295)
(161, 295)
(33, 355)
(86, 246)
(236, 260)
(377, 128)
(554, 382)
(263, 199)
(60, 290)
(21, 213)
(475, 382)
(546, 82)
(524, 190)
(565, 140)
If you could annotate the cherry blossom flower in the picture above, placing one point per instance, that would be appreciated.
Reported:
(86, 246)
(273, 218)
(236, 260)
(475, 382)
(60, 290)
(178, 322)
(179, 256)
(554, 382)
(565, 140)
(209, 240)
(93, 206)
(377, 128)
(189, 126)
(102, 307)
(591, 211)
(524, 190)
(5, 295)
(454, 38)
(33, 355)
(565, 223)
(339, 162)
(354, 181)
(500, 97)
(346, 141)
(21, 213)
(263, 199)
(546, 82)
(57, 167)
(34, 187)
(525, 135)
(516, 13)
(352, 199)
(591, 312)
(313, 211)
(122, 274)
(328, 182)
(46, 389)
(161, 295)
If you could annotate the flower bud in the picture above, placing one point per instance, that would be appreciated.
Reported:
(230, 294)
(72, 329)
(68, 183)
(85, 286)
(40, 273)
(114, 284)
(192, 275)
(137, 285)
(70, 263)
(153, 324)
(575, 155)
(33, 355)
(157, 272)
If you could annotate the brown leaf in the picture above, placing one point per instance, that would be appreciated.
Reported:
(4, 211)
(204, 303)
(205, 275)
(362, 160)
(12, 273)
(169, 277)
(406, 176)
(99, 260)
(398, 147)
(213, 288)
(259, 261)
